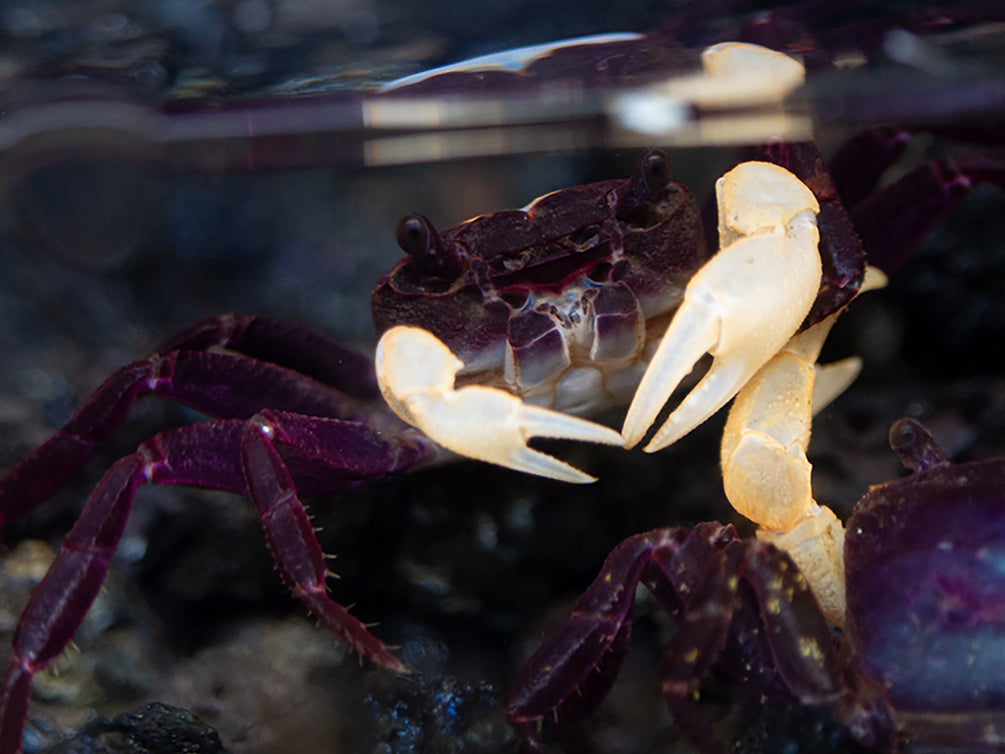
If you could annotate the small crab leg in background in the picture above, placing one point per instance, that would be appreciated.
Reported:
(416, 373)
(742, 306)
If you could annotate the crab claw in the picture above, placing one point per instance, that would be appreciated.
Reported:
(416, 372)
(741, 307)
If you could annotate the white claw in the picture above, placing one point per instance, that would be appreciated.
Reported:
(416, 373)
(742, 306)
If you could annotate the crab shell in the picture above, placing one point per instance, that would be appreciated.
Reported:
(925, 569)
(559, 288)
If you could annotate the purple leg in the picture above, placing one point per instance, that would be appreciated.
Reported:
(288, 529)
(234, 455)
(58, 604)
(858, 165)
(738, 604)
(560, 681)
(801, 648)
(285, 344)
(696, 576)
(220, 385)
(685, 571)
(893, 222)
(804, 653)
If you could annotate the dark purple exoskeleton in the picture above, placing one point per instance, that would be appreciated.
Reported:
(925, 570)
(568, 282)
(924, 645)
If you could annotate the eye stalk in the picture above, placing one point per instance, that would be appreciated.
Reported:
(653, 171)
(415, 235)
(418, 238)
(916, 447)
(650, 179)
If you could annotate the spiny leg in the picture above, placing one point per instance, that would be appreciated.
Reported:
(571, 673)
(802, 651)
(702, 578)
(40, 474)
(783, 628)
(291, 538)
(221, 385)
(59, 602)
(285, 344)
(561, 680)
(210, 455)
(696, 583)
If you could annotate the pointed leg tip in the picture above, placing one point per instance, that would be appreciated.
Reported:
(397, 666)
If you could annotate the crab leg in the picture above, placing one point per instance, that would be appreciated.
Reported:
(696, 576)
(416, 373)
(217, 384)
(742, 306)
(235, 455)
(288, 529)
(285, 344)
(893, 222)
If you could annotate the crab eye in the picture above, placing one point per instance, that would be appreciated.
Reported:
(414, 234)
(645, 191)
(916, 447)
(654, 171)
(903, 434)
(418, 238)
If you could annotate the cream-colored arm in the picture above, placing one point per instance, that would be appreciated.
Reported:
(742, 306)
(765, 472)
(766, 475)
(416, 373)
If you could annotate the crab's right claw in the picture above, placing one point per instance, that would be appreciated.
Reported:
(742, 306)
(416, 374)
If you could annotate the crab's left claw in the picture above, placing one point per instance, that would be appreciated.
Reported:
(742, 306)
(416, 374)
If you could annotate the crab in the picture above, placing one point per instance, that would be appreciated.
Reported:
(797, 567)
(297, 415)
(602, 325)
(923, 560)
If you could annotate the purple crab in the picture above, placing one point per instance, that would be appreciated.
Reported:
(563, 301)
(921, 657)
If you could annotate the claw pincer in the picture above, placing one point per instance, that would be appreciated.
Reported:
(742, 306)
(416, 373)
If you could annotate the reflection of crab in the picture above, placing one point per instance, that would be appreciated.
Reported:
(605, 264)
(924, 624)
